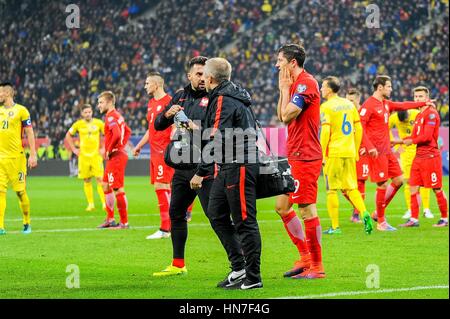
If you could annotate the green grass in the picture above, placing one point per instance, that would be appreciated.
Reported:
(119, 264)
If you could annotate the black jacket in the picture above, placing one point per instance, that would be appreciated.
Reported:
(193, 102)
(229, 113)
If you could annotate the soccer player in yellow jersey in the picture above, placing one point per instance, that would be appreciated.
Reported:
(90, 161)
(14, 120)
(340, 137)
(404, 122)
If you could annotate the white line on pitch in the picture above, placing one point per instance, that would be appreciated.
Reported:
(364, 292)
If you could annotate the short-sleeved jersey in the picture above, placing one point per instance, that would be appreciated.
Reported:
(89, 133)
(426, 133)
(341, 115)
(13, 120)
(113, 119)
(158, 139)
(375, 121)
(404, 128)
(303, 132)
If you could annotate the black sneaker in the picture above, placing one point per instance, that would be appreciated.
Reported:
(234, 278)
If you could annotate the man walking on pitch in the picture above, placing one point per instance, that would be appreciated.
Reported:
(117, 134)
(90, 161)
(14, 119)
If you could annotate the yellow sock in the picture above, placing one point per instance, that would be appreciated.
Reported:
(408, 196)
(425, 196)
(89, 193)
(24, 203)
(101, 194)
(333, 208)
(355, 197)
(2, 209)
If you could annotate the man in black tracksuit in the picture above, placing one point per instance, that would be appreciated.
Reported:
(233, 142)
(193, 100)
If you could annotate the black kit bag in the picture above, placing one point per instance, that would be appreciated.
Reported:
(275, 176)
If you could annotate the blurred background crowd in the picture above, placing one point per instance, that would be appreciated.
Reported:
(56, 69)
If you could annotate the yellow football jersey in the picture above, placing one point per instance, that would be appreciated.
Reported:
(12, 122)
(404, 128)
(341, 115)
(89, 133)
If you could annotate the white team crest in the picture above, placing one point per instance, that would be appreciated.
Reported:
(301, 88)
(204, 102)
(363, 112)
(158, 108)
(111, 118)
(381, 174)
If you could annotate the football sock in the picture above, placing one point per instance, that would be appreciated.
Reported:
(294, 229)
(415, 205)
(2, 209)
(178, 262)
(122, 207)
(24, 204)
(89, 193)
(313, 239)
(442, 203)
(391, 190)
(362, 188)
(190, 207)
(408, 196)
(425, 195)
(333, 208)
(164, 204)
(110, 203)
(357, 200)
(381, 193)
(101, 194)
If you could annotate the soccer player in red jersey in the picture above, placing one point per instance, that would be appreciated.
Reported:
(160, 173)
(299, 108)
(382, 162)
(362, 165)
(117, 134)
(426, 170)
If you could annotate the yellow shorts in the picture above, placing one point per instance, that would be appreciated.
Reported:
(13, 171)
(340, 173)
(90, 166)
(406, 160)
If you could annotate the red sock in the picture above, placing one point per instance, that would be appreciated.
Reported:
(164, 204)
(294, 229)
(178, 262)
(122, 206)
(391, 190)
(362, 187)
(313, 239)
(190, 208)
(381, 194)
(110, 201)
(442, 203)
(415, 205)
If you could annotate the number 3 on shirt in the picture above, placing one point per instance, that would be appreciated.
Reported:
(346, 126)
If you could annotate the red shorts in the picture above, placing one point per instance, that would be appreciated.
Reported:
(362, 168)
(426, 172)
(306, 175)
(115, 170)
(384, 167)
(159, 171)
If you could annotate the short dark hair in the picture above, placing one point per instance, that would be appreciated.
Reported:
(293, 51)
(333, 83)
(197, 60)
(381, 80)
(422, 89)
(354, 91)
(86, 106)
(4, 84)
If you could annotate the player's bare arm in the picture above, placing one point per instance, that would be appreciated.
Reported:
(288, 110)
(72, 146)
(142, 142)
(32, 160)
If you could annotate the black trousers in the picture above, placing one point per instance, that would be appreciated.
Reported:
(234, 190)
(181, 198)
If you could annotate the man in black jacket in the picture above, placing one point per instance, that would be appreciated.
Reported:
(233, 144)
(193, 100)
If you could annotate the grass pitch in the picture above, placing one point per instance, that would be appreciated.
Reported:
(412, 263)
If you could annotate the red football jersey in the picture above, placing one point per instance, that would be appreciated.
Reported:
(375, 121)
(303, 132)
(158, 140)
(426, 133)
(117, 132)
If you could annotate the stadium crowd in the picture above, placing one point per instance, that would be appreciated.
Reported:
(56, 69)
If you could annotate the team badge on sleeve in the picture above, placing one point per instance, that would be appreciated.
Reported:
(301, 88)
(363, 112)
